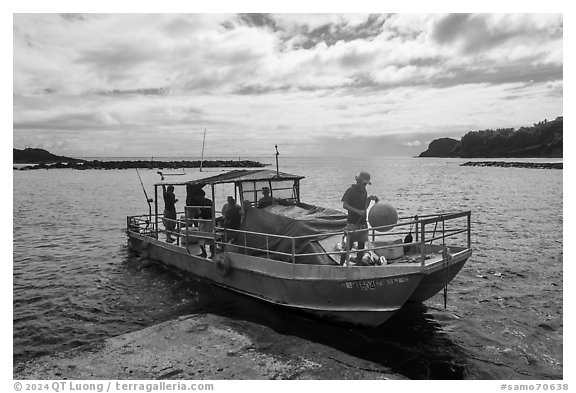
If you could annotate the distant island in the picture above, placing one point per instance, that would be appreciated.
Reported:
(38, 156)
(543, 140)
(42, 159)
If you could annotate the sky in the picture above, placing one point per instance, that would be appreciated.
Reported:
(140, 85)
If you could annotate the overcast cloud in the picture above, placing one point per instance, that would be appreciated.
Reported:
(315, 84)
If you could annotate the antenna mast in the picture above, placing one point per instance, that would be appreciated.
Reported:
(203, 142)
(277, 154)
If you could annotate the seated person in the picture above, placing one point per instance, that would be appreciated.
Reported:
(267, 199)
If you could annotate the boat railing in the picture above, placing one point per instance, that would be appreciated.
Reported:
(425, 237)
(141, 224)
(446, 226)
(145, 225)
(189, 227)
(241, 242)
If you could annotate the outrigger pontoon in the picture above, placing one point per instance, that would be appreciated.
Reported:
(289, 253)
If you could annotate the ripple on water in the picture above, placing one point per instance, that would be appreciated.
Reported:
(75, 282)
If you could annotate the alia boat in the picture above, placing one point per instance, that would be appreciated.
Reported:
(288, 253)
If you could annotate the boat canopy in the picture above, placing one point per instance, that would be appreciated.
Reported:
(250, 185)
(239, 176)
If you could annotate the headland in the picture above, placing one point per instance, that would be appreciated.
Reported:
(542, 140)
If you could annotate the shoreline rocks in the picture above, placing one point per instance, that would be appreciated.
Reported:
(107, 165)
(506, 164)
(201, 347)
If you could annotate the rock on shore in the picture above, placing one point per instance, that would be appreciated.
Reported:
(505, 164)
(198, 347)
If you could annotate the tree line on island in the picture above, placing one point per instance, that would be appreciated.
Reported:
(543, 140)
(42, 159)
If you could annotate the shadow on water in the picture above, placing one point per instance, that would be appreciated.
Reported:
(411, 343)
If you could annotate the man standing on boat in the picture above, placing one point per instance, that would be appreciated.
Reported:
(169, 210)
(231, 217)
(194, 192)
(205, 224)
(356, 201)
(231, 214)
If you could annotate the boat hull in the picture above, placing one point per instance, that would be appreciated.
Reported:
(363, 296)
(436, 277)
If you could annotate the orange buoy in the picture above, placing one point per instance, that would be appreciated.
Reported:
(382, 214)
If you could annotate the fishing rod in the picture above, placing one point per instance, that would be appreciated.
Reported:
(148, 200)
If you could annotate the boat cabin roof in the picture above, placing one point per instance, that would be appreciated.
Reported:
(243, 175)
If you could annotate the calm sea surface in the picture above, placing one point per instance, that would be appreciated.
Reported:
(75, 281)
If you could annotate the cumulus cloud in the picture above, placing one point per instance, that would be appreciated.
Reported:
(327, 75)
(186, 54)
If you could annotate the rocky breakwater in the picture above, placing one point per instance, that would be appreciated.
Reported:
(31, 158)
(201, 347)
(505, 164)
(96, 164)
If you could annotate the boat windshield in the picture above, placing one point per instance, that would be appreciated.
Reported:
(276, 191)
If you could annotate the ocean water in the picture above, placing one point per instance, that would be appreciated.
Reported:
(75, 282)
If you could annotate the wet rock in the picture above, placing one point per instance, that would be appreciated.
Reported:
(202, 347)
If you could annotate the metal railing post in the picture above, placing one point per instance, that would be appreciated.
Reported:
(245, 244)
(156, 211)
(422, 244)
(177, 231)
(469, 230)
(348, 247)
(293, 251)
(213, 213)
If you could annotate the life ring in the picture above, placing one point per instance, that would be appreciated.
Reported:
(222, 264)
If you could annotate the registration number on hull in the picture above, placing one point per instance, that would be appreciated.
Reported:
(371, 285)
